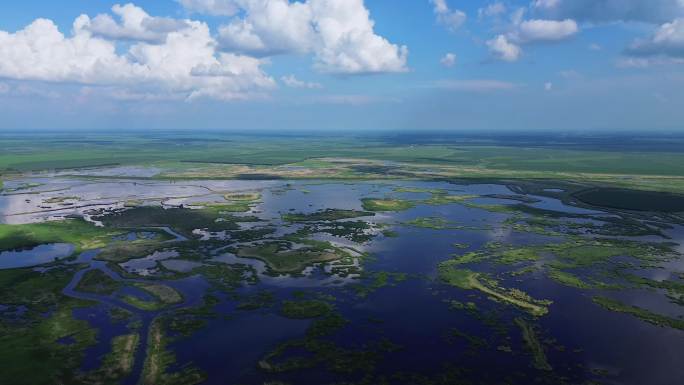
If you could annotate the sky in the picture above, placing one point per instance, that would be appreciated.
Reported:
(343, 65)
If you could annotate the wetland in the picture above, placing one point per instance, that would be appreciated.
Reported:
(393, 274)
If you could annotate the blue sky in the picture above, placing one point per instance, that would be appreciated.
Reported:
(547, 65)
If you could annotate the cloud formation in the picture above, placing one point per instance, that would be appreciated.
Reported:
(134, 24)
(492, 10)
(452, 19)
(665, 45)
(501, 48)
(666, 41)
(531, 31)
(186, 65)
(507, 46)
(133, 55)
(339, 33)
(293, 82)
(600, 11)
(449, 60)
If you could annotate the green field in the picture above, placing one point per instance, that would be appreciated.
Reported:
(648, 164)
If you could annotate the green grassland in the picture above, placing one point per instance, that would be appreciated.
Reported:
(163, 296)
(380, 205)
(533, 344)
(163, 293)
(643, 314)
(326, 215)
(465, 279)
(651, 165)
(159, 358)
(33, 351)
(91, 149)
(117, 364)
(305, 309)
(97, 282)
(81, 234)
(280, 258)
(181, 220)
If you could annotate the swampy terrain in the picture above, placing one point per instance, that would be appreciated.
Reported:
(339, 270)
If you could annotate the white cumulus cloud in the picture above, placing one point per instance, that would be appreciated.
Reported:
(545, 30)
(134, 24)
(508, 46)
(503, 49)
(667, 41)
(339, 33)
(185, 65)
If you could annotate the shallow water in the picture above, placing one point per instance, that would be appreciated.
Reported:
(180, 265)
(35, 256)
(147, 266)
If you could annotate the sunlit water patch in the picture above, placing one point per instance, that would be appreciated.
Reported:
(35, 256)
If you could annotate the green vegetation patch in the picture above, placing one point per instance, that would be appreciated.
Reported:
(183, 220)
(46, 351)
(470, 280)
(380, 205)
(117, 364)
(356, 231)
(122, 251)
(39, 292)
(533, 344)
(378, 280)
(326, 215)
(314, 351)
(518, 255)
(165, 294)
(643, 314)
(281, 258)
(326, 325)
(434, 223)
(159, 358)
(253, 196)
(580, 252)
(568, 279)
(143, 304)
(500, 254)
(493, 208)
(305, 309)
(98, 282)
(261, 300)
(81, 234)
(61, 199)
(439, 199)
(236, 202)
(225, 277)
